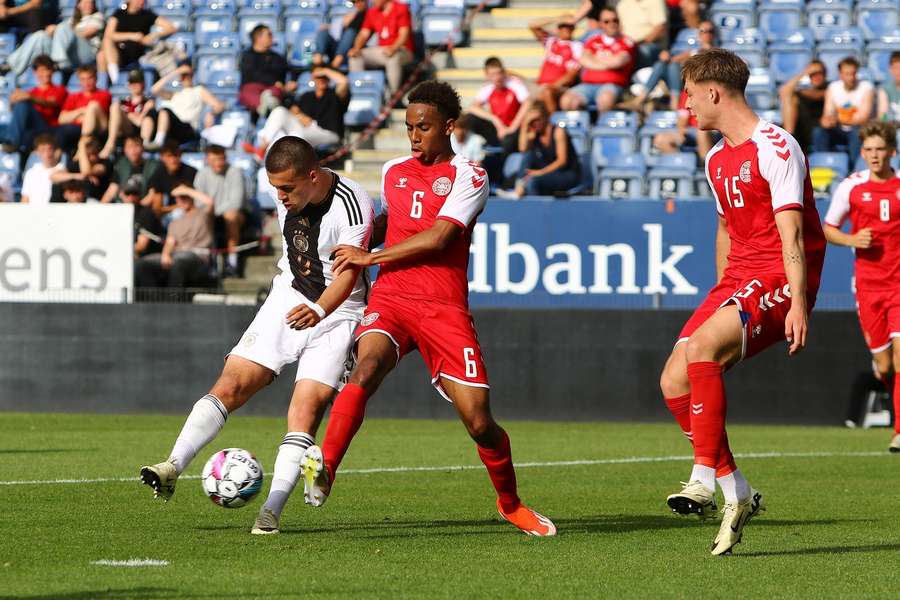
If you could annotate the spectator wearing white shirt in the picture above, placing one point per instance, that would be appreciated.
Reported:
(37, 185)
(849, 103)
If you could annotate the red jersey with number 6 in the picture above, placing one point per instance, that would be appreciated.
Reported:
(414, 196)
(874, 205)
(751, 183)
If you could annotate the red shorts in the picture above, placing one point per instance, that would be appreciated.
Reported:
(443, 333)
(763, 301)
(879, 317)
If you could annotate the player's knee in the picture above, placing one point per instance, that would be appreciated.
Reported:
(482, 429)
(369, 371)
(699, 348)
(232, 391)
(672, 382)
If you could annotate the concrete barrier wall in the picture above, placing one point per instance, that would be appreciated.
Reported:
(558, 364)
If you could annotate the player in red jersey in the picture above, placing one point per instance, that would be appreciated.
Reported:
(871, 199)
(769, 254)
(420, 300)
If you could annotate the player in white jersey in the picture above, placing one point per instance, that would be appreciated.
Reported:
(309, 317)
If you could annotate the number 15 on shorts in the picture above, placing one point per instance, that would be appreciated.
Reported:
(471, 365)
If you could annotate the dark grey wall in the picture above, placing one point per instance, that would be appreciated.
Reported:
(574, 365)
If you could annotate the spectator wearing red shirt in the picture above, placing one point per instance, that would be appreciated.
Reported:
(560, 68)
(499, 106)
(35, 111)
(84, 113)
(393, 24)
(608, 61)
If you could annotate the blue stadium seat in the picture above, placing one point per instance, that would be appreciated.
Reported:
(831, 58)
(658, 122)
(572, 119)
(607, 142)
(876, 21)
(751, 37)
(879, 62)
(761, 93)
(7, 44)
(843, 37)
(772, 116)
(212, 8)
(11, 163)
(5, 111)
(801, 38)
(438, 24)
(687, 37)
(299, 55)
(248, 21)
(822, 15)
(618, 118)
(193, 159)
(240, 119)
(183, 40)
(250, 8)
(363, 108)
(779, 20)
(223, 84)
(210, 26)
(785, 63)
(751, 56)
(838, 162)
(167, 8)
(366, 81)
(181, 22)
(302, 24)
(215, 63)
(673, 175)
(623, 177)
(729, 19)
(218, 43)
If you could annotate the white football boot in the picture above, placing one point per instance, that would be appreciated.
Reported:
(161, 477)
(316, 483)
(266, 523)
(693, 499)
(735, 517)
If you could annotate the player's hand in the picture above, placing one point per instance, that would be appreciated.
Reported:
(347, 256)
(302, 317)
(795, 327)
(353, 52)
(862, 238)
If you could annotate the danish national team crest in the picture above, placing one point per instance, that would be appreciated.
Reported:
(745, 172)
(370, 318)
(441, 186)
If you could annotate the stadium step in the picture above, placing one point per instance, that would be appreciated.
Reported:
(512, 57)
(514, 36)
(476, 75)
(515, 17)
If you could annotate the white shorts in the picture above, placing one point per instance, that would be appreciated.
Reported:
(322, 352)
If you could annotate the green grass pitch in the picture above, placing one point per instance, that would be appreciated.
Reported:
(832, 529)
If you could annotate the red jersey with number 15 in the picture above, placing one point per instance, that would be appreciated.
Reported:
(414, 196)
(751, 183)
(876, 205)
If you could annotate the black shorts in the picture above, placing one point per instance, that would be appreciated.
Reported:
(179, 130)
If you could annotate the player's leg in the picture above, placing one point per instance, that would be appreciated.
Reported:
(895, 355)
(472, 403)
(880, 323)
(240, 379)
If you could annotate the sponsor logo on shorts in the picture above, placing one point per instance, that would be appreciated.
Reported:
(441, 186)
(370, 318)
(745, 172)
(250, 339)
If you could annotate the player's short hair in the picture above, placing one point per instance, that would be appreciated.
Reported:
(718, 66)
(45, 139)
(883, 129)
(89, 68)
(438, 94)
(492, 62)
(291, 152)
(848, 60)
(256, 31)
(895, 57)
(215, 149)
(170, 147)
(42, 60)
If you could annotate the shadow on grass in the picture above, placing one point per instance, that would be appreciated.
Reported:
(44, 451)
(823, 550)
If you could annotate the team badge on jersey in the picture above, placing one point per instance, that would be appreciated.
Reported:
(250, 339)
(441, 186)
(370, 318)
(301, 243)
(745, 172)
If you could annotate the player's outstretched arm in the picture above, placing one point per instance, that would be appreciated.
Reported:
(302, 316)
(790, 228)
(434, 239)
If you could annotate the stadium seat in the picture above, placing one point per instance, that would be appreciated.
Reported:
(623, 177)
(800, 38)
(208, 27)
(299, 56)
(749, 44)
(879, 62)
(618, 118)
(687, 37)
(673, 175)
(300, 24)
(838, 162)
(831, 58)
(180, 21)
(11, 163)
(761, 93)
(259, 8)
(223, 84)
(772, 116)
(211, 8)
(571, 119)
(658, 122)
(438, 24)
(733, 14)
(193, 159)
(247, 21)
(7, 44)
(366, 81)
(823, 15)
(607, 142)
(278, 42)
(779, 20)
(319, 7)
(183, 40)
(227, 43)
(875, 21)
(753, 57)
(785, 63)
(363, 108)
(843, 37)
(168, 8)
(215, 63)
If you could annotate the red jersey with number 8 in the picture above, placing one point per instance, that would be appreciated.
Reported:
(752, 182)
(414, 196)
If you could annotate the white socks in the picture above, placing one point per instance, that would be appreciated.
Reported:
(734, 487)
(287, 469)
(202, 425)
(113, 70)
(705, 475)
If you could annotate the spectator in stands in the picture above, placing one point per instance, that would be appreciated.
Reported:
(803, 101)
(332, 52)
(465, 142)
(185, 257)
(84, 113)
(27, 16)
(889, 92)
(316, 116)
(225, 184)
(550, 163)
(74, 192)
(181, 111)
(686, 134)
(499, 106)
(34, 111)
(848, 104)
(263, 73)
(669, 66)
(37, 184)
(590, 10)
(87, 169)
(129, 33)
(132, 113)
(148, 230)
(132, 169)
(644, 22)
(174, 174)
(72, 43)
(391, 21)
(560, 68)
(608, 61)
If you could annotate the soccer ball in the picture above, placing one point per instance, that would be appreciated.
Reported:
(232, 477)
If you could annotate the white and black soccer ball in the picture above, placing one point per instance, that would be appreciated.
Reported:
(232, 477)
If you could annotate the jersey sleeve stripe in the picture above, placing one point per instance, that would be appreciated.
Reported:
(351, 203)
(791, 206)
(351, 214)
(452, 220)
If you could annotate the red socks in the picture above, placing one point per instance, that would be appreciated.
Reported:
(503, 475)
(897, 401)
(680, 409)
(346, 417)
(707, 407)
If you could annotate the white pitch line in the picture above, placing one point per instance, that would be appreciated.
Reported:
(131, 562)
(523, 465)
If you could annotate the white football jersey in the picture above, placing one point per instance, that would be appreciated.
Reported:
(310, 236)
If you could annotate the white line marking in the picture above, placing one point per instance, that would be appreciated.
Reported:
(522, 465)
(132, 562)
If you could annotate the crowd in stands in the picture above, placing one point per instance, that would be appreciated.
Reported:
(128, 105)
